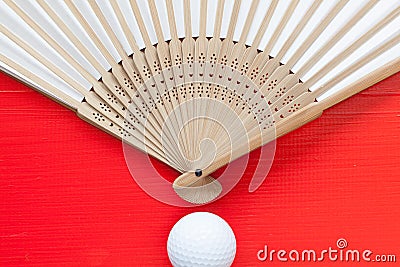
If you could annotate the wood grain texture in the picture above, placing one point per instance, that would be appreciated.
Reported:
(67, 198)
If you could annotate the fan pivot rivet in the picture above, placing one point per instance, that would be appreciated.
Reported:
(198, 172)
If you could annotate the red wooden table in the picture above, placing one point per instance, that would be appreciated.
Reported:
(67, 198)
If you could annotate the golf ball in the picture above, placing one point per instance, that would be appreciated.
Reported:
(201, 239)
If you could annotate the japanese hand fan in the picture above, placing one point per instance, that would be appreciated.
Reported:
(197, 84)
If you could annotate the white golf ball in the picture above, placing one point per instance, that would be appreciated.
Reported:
(201, 239)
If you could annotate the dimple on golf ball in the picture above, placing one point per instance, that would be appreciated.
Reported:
(201, 239)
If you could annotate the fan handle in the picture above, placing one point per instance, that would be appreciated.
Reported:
(306, 115)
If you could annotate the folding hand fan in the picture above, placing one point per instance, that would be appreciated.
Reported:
(197, 84)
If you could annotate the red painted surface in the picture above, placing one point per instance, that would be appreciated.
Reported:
(67, 198)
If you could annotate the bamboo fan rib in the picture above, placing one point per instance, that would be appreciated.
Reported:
(197, 84)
